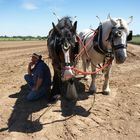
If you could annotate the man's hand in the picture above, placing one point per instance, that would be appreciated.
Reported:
(31, 64)
(30, 67)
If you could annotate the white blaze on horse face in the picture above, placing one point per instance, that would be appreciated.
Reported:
(121, 40)
(66, 56)
(68, 74)
(121, 54)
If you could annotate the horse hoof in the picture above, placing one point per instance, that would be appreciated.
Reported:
(106, 92)
(92, 92)
(67, 106)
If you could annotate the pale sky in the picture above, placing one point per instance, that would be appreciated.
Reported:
(35, 17)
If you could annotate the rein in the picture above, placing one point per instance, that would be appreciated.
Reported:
(84, 46)
(84, 49)
(77, 71)
(98, 32)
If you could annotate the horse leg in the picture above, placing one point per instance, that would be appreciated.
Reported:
(92, 88)
(71, 92)
(56, 84)
(69, 97)
(106, 89)
(85, 63)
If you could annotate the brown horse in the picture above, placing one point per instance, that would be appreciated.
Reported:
(62, 50)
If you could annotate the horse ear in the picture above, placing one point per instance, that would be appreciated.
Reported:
(114, 23)
(56, 29)
(130, 20)
(74, 27)
(108, 17)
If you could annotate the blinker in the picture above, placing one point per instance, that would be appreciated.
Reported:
(129, 37)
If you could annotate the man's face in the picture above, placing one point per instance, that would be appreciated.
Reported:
(34, 59)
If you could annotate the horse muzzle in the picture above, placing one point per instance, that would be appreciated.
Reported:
(67, 74)
(120, 55)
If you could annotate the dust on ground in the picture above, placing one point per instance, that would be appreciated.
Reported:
(116, 116)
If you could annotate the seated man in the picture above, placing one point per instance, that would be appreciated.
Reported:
(38, 78)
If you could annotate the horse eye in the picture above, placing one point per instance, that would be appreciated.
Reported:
(119, 33)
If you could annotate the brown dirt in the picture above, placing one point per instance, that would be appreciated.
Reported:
(112, 117)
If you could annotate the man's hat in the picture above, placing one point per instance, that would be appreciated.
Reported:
(36, 56)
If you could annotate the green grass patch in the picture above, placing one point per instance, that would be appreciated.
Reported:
(135, 40)
(10, 39)
(21, 38)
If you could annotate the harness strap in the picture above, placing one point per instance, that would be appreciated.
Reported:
(99, 47)
(77, 71)
(83, 46)
(116, 47)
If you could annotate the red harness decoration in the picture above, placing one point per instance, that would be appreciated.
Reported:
(77, 71)
(84, 46)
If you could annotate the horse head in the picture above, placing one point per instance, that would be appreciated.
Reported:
(116, 34)
(63, 38)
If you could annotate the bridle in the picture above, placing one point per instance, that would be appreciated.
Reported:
(64, 44)
(98, 43)
(116, 33)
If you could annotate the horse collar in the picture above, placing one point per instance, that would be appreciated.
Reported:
(99, 47)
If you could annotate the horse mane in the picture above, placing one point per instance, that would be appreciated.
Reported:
(119, 23)
(123, 24)
(107, 25)
(65, 22)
